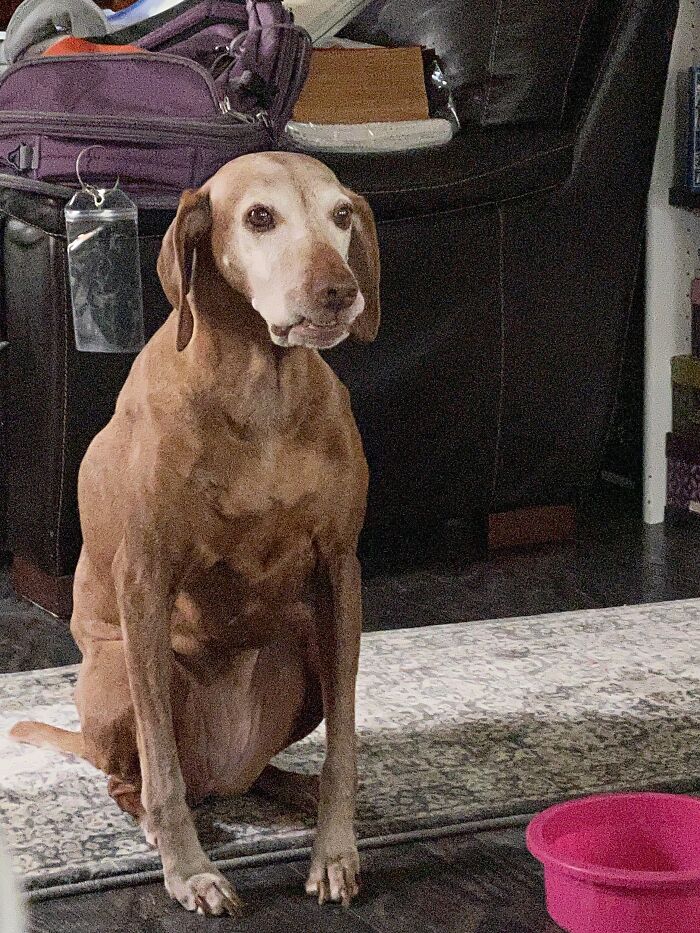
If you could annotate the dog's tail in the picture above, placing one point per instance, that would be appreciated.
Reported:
(45, 736)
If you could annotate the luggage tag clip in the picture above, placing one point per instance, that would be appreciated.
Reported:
(104, 268)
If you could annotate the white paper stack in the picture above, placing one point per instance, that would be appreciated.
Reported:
(370, 137)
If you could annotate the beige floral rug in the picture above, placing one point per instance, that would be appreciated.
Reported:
(458, 725)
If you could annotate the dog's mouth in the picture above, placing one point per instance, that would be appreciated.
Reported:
(306, 333)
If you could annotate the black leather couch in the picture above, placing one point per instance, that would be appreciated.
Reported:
(509, 262)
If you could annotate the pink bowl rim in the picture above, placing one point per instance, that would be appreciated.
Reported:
(599, 875)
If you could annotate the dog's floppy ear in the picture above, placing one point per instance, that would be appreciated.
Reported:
(363, 259)
(177, 258)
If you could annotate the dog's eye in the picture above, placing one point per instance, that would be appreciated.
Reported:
(342, 216)
(260, 218)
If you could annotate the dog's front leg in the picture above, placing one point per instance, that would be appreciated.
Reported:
(145, 585)
(335, 863)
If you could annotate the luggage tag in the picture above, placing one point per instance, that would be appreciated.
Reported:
(104, 269)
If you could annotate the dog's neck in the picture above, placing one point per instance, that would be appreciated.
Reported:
(261, 387)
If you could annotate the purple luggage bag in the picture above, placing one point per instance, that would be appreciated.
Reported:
(219, 79)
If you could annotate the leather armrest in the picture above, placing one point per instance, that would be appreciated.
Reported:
(478, 166)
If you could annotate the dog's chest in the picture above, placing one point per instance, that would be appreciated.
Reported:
(265, 479)
(266, 503)
(268, 510)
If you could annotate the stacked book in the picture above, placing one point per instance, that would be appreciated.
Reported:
(360, 98)
(683, 443)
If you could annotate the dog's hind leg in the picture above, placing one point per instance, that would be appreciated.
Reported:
(289, 788)
(127, 796)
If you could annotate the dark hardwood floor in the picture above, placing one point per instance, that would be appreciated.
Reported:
(485, 883)
(479, 883)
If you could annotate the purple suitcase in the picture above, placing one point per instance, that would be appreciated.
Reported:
(163, 120)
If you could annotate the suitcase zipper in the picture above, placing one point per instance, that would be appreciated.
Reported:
(163, 130)
(141, 31)
(292, 62)
(24, 159)
(181, 36)
(216, 97)
(34, 123)
(289, 71)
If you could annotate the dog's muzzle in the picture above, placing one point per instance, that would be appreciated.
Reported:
(323, 328)
(308, 334)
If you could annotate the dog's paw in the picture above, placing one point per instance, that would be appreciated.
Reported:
(207, 892)
(334, 877)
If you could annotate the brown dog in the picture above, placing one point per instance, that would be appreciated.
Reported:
(217, 596)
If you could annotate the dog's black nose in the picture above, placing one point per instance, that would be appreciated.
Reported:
(338, 297)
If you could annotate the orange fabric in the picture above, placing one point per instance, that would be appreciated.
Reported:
(72, 46)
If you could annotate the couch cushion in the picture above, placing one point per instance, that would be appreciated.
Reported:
(479, 165)
(507, 60)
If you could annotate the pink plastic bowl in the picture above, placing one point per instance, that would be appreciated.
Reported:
(621, 863)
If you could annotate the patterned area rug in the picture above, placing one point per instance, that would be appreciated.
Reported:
(458, 725)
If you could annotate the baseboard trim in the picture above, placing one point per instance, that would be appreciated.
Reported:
(522, 528)
(52, 594)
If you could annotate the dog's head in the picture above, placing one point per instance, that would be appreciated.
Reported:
(286, 235)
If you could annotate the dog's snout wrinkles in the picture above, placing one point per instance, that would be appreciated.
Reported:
(331, 286)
